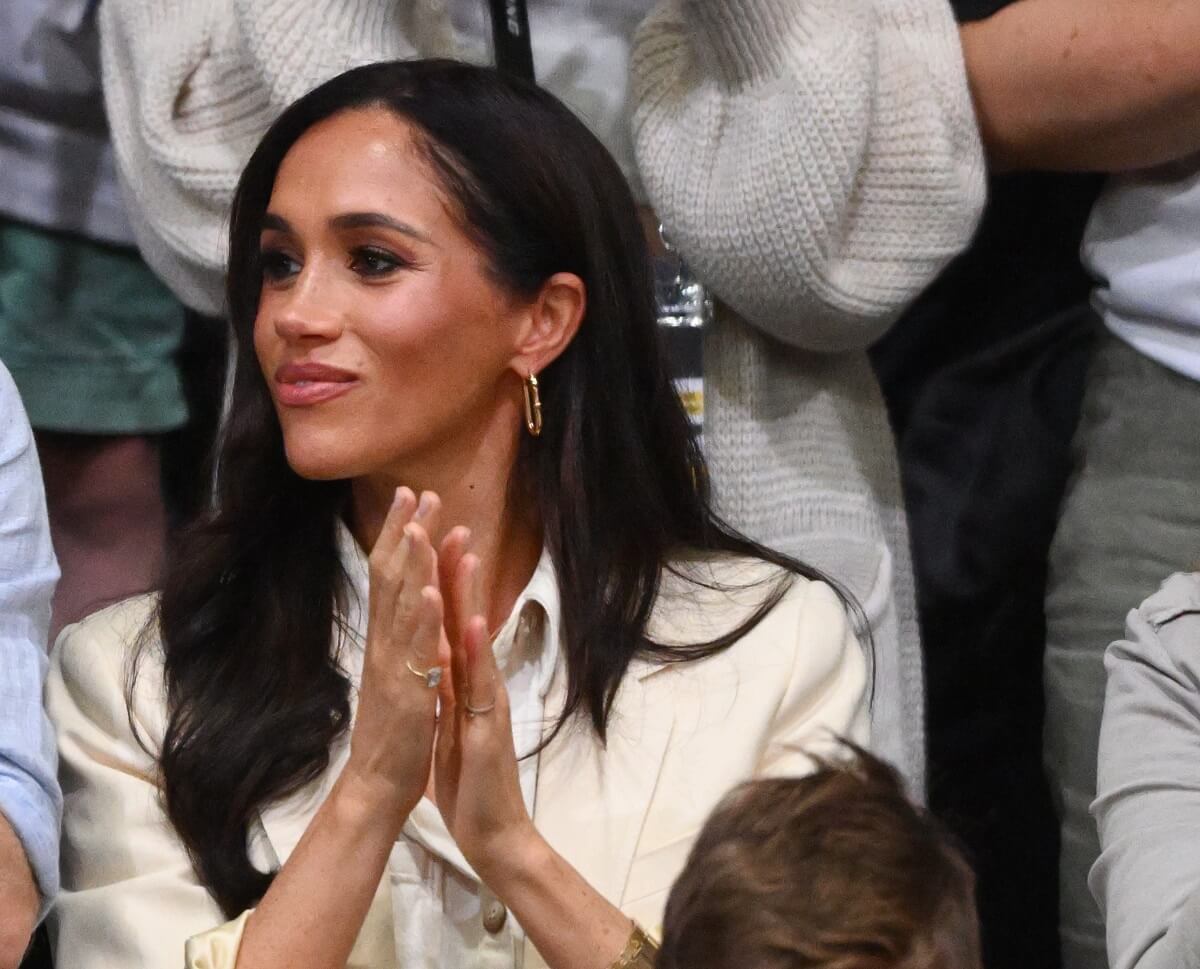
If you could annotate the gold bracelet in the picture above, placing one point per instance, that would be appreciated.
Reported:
(640, 952)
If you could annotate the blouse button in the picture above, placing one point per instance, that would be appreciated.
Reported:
(494, 916)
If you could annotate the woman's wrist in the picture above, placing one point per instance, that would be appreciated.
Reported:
(569, 922)
(515, 860)
(361, 802)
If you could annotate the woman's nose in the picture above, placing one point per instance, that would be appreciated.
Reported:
(306, 311)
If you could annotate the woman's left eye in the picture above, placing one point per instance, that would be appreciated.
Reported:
(374, 262)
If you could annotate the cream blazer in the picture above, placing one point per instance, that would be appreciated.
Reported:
(625, 814)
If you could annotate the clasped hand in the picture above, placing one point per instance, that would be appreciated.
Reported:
(454, 742)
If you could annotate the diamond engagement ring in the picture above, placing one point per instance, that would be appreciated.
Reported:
(431, 676)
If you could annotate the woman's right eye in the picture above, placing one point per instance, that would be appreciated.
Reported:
(277, 264)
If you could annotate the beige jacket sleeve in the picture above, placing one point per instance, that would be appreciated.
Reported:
(827, 695)
(129, 895)
(817, 162)
(218, 948)
(764, 708)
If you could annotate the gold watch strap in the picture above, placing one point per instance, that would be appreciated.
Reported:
(640, 952)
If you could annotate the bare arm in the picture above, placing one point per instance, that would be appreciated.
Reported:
(1103, 85)
(18, 898)
(316, 906)
(571, 924)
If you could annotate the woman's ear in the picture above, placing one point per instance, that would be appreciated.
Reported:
(553, 320)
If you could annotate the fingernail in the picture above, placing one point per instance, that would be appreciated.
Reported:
(426, 505)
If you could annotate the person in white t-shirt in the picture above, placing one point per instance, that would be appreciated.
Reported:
(1130, 514)
(1113, 87)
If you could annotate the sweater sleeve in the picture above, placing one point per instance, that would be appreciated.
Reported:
(190, 87)
(816, 161)
(1147, 809)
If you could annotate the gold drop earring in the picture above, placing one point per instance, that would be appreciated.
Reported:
(533, 406)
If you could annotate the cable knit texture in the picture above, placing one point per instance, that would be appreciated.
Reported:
(191, 87)
(816, 161)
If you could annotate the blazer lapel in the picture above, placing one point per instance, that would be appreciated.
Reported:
(592, 798)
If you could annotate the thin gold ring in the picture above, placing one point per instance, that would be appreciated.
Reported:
(431, 676)
(480, 711)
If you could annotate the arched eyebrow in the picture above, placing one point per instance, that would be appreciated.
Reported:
(354, 220)
(368, 220)
(276, 223)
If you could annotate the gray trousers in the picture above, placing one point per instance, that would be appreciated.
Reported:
(1130, 518)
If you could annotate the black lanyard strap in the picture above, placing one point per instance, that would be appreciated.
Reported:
(510, 35)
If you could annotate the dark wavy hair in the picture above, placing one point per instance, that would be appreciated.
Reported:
(253, 588)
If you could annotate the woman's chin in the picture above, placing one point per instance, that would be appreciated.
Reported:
(318, 473)
(320, 464)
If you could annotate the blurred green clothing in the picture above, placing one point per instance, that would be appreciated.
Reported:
(89, 334)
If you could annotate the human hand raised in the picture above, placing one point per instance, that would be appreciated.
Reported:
(391, 743)
(476, 783)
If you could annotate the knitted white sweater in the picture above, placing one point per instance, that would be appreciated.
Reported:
(816, 161)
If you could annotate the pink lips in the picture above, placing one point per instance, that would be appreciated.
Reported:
(305, 384)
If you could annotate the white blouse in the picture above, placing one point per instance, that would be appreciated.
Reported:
(443, 915)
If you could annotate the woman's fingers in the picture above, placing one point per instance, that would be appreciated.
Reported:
(410, 572)
(386, 561)
(389, 563)
(428, 512)
(428, 630)
(454, 547)
(420, 569)
(459, 605)
(466, 591)
(475, 676)
(404, 504)
(482, 681)
(463, 575)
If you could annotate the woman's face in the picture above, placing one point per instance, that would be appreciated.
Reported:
(381, 336)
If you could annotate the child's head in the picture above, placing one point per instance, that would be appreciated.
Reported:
(836, 870)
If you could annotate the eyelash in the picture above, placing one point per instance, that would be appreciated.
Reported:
(370, 262)
(276, 265)
(389, 260)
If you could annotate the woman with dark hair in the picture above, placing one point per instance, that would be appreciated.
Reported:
(440, 287)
